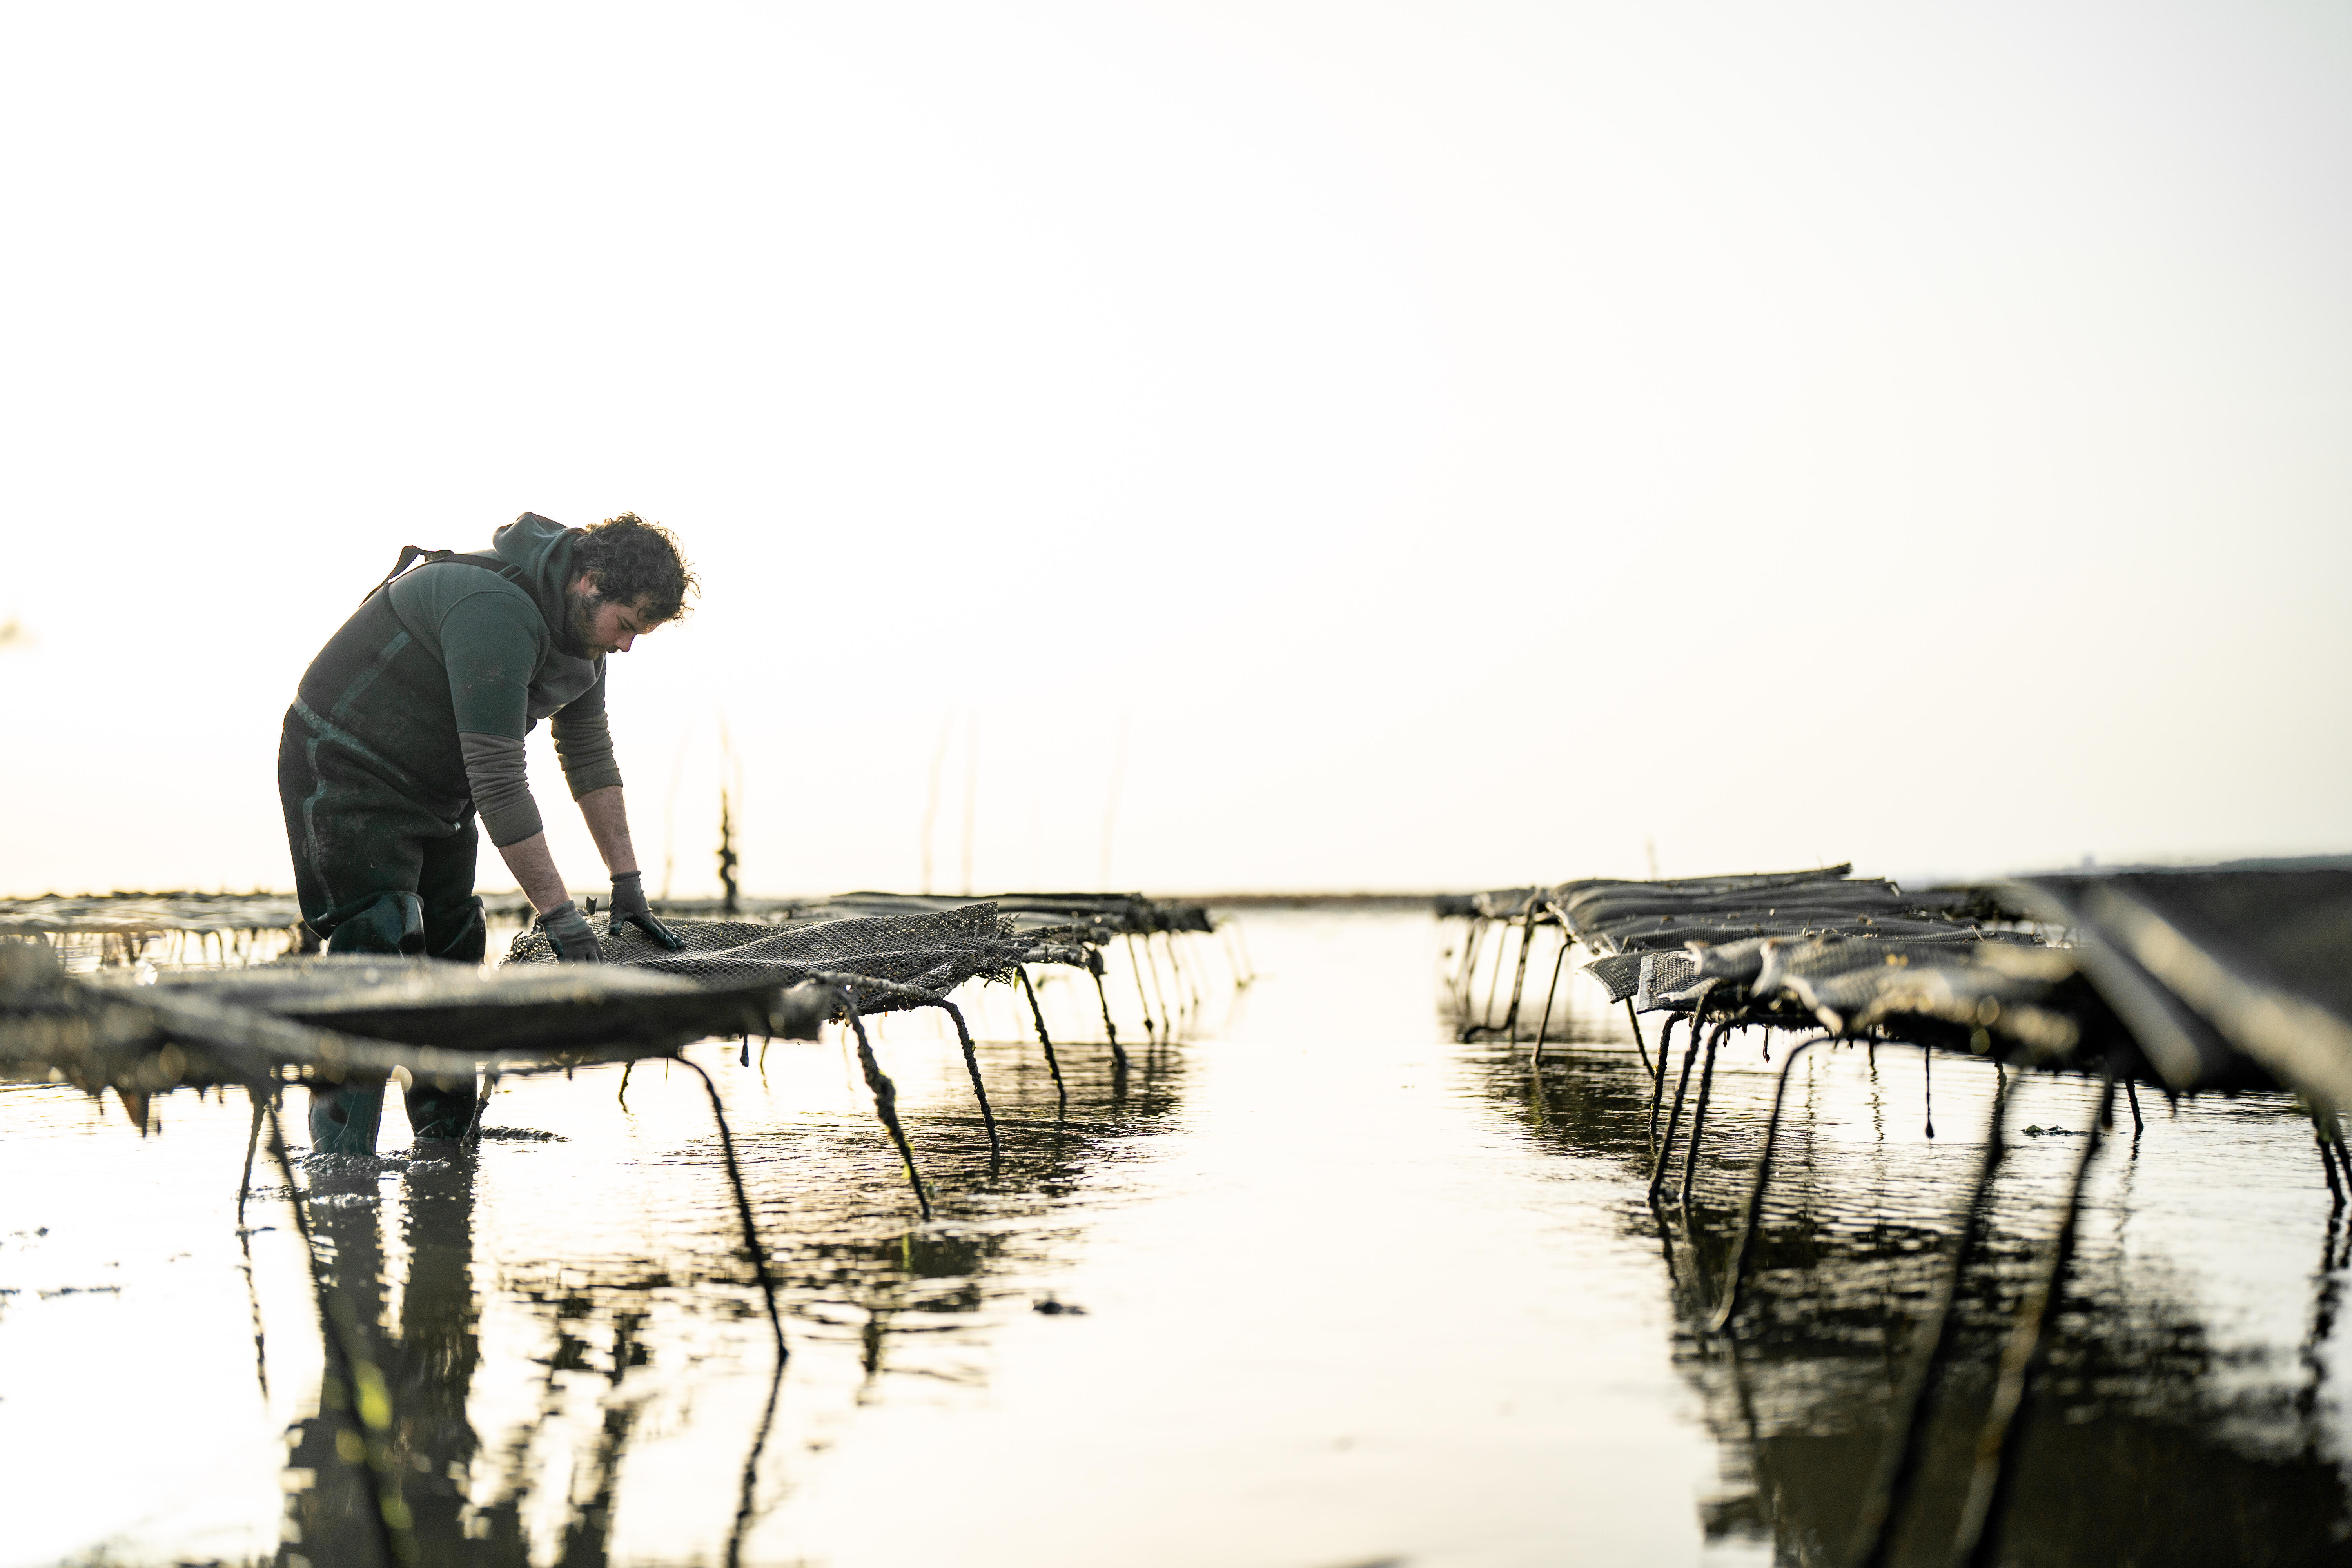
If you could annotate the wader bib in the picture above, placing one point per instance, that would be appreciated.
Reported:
(383, 850)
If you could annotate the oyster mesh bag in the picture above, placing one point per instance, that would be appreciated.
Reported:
(931, 953)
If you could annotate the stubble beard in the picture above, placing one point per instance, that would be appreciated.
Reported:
(580, 614)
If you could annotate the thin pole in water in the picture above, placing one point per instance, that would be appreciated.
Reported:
(1520, 972)
(1976, 1540)
(757, 1254)
(1191, 989)
(1166, 1014)
(1633, 1022)
(743, 1506)
(1543, 1025)
(1736, 1269)
(1117, 1055)
(1044, 1039)
(1471, 938)
(971, 1065)
(252, 1139)
(1136, 965)
(1698, 1111)
(2328, 1158)
(1682, 1087)
(1485, 1023)
(245, 1248)
(1658, 1080)
(886, 1097)
(1898, 1466)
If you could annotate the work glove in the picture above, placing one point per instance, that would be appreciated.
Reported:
(629, 908)
(569, 932)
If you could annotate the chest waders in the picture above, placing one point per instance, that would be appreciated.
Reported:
(380, 822)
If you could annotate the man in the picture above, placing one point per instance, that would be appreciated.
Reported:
(410, 720)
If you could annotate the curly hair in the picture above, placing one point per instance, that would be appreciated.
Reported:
(635, 561)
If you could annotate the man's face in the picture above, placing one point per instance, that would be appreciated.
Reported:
(605, 626)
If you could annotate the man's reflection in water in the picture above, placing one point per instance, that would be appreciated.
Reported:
(465, 1503)
(428, 1366)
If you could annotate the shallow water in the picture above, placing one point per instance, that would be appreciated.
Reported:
(1339, 1290)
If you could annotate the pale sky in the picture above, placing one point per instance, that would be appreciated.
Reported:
(1344, 446)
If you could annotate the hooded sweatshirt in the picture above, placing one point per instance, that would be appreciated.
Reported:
(437, 678)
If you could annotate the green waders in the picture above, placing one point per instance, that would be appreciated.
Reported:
(376, 872)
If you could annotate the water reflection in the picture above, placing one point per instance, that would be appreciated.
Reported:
(617, 1340)
(430, 1356)
(2155, 1435)
(1353, 1294)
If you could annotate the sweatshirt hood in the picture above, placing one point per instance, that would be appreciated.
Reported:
(543, 548)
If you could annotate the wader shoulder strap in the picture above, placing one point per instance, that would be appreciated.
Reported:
(412, 554)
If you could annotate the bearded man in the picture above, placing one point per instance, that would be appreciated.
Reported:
(411, 721)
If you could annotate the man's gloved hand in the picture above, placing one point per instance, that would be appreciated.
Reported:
(569, 932)
(629, 908)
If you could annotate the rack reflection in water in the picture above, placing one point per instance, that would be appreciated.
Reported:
(599, 1355)
(2176, 1419)
(1354, 1294)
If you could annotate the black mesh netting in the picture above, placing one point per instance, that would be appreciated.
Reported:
(931, 953)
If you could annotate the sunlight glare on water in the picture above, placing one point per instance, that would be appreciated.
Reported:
(1335, 1314)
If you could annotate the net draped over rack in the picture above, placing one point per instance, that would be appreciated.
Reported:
(883, 962)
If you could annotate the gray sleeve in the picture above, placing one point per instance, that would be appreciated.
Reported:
(494, 767)
(583, 744)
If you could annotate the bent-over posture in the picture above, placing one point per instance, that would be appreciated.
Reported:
(411, 721)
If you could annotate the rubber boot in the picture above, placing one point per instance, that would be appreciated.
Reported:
(344, 1120)
(390, 922)
(441, 1112)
